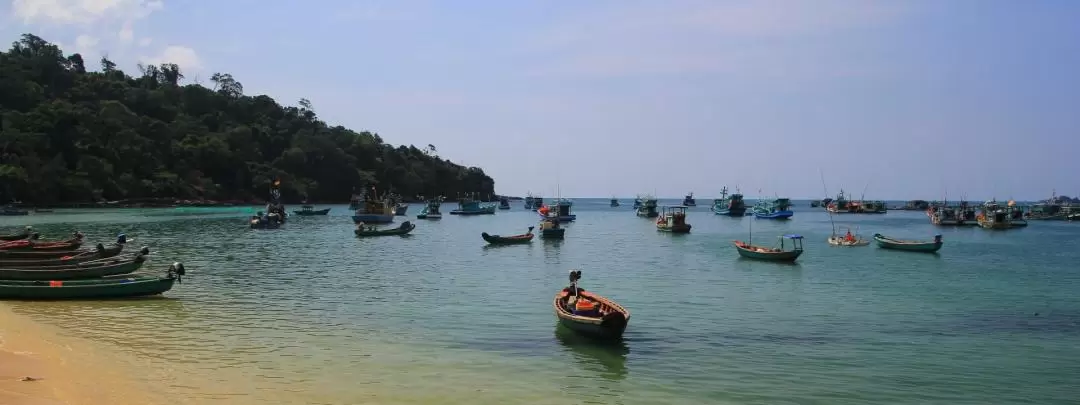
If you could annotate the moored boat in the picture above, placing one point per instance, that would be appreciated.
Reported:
(266, 221)
(732, 206)
(94, 269)
(673, 219)
(689, 200)
(508, 240)
(775, 209)
(10, 210)
(56, 258)
(400, 209)
(561, 212)
(533, 202)
(779, 254)
(589, 314)
(365, 231)
(26, 232)
(886, 242)
(107, 287)
(550, 229)
(308, 210)
(994, 216)
(373, 210)
(504, 202)
(848, 239)
(431, 209)
(647, 208)
(841, 205)
(614, 202)
(33, 244)
(468, 205)
(638, 202)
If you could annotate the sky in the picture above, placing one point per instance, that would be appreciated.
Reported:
(885, 99)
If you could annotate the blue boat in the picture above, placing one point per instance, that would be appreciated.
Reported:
(374, 210)
(431, 210)
(533, 202)
(647, 208)
(732, 206)
(561, 212)
(470, 206)
(775, 209)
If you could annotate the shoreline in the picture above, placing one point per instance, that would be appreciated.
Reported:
(65, 370)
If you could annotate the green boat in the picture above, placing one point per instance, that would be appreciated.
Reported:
(18, 236)
(109, 287)
(589, 314)
(9, 255)
(101, 268)
(308, 210)
(772, 254)
(509, 240)
(886, 242)
(404, 229)
(101, 252)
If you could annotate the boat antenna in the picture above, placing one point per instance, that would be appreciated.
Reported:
(826, 190)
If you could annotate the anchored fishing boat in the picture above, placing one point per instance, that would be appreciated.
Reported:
(550, 229)
(847, 239)
(993, 216)
(431, 209)
(589, 314)
(775, 209)
(58, 258)
(561, 212)
(614, 202)
(504, 202)
(886, 242)
(309, 210)
(363, 230)
(374, 210)
(647, 208)
(841, 205)
(533, 202)
(468, 205)
(508, 240)
(673, 219)
(689, 200)
(774, 254)
(732, 206)
(638, 202)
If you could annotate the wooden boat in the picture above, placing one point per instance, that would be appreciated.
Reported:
(848, 239)
(33, 244)
(533, 202)
(508, 240)
(266, 221)
(550, 229)
(18, 236)
(589, 314)
(561, 212)
(374, 210)
(732, 206)
(775, 209)
(689, 200)
(404, 229)
(470, 206)
(94, 269)
(886, 242)
(772, 254)
(993, 216)
(101, 252)
(841, 205)
(108, 287)
(401, 209)
(673, 219)
(504, 202)
(307, 211)
(431, 210)
(614, 202)
(647, 208)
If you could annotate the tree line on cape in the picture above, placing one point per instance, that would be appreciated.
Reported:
(69, 135)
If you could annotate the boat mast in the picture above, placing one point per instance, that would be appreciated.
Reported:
(826, 190)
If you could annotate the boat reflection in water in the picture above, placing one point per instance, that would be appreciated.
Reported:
(606, 358)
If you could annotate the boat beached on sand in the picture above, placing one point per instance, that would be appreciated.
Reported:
(100, 288)
(589, 314)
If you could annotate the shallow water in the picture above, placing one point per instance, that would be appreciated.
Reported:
(310, 314)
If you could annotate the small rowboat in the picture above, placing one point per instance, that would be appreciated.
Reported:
(589, 314)
(886, 242)
(101, 252)
(108, 287)
(33, 245)
(17, 236)
(404, 229)
(100, 268)
(308, 210)
(772, 254)
(509, 240)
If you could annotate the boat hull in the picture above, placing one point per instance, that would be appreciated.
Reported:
(774, 215)
(404, 229)
(372, 219)
(85, 289)
(609, 327)
(81, 257)
(782, 256)
(312, 213)
(553, 233)
(509, 240)
(400, 210)
(840, 241)
(674, 228)
(893, 244)
(476, 212)
(76, 272)
(734, 212)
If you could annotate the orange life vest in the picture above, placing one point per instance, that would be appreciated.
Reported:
(583, 304)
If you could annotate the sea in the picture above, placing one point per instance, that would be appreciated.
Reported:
(311, 314)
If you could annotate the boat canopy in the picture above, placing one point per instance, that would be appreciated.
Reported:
(792, 236)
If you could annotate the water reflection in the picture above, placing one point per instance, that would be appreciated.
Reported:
(608, 358)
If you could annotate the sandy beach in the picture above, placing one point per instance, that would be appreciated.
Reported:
(61, 370)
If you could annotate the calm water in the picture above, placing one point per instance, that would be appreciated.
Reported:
(309, 314)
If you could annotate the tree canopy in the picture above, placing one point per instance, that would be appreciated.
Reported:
(72, 135)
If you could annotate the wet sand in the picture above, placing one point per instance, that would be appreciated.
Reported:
(63, 370)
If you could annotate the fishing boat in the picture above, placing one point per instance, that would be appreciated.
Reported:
(775, 209)
(1017, 219)
(363, 230)
(76, 257)
(274, 206)
(308, 210)
(373, 210)
(93, 269)
(589, 314)
(841, 205)
(26, 232)
(689, 200)
(847, 239)
(504, 202)
(614, 202)
(356, 201)
(400, 209)
(638, 202)
(431, 209)
(732, 206)
(469, 205)
(561, 212)
(533, 202)
(11, 210)
(944, 215)
(34, 244)
(775, 254)
(508, 240)
(266, 221)
(673, 219)
(993, 216)
(107, 287)
(647, 208)
(886, 242)
(550, 229)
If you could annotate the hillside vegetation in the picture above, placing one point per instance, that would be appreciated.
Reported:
(72, 135)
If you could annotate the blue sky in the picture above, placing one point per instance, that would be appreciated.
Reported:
(905, 99)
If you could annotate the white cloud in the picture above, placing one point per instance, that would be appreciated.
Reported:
(82, 11)
(85, 44)
(126, 34)
(183, 56)
(145, 41)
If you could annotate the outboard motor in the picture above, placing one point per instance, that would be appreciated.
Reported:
(121, 239)
(177, 271)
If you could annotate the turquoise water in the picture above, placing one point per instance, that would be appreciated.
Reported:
(310, 314)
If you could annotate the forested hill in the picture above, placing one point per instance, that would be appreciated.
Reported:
(71, 135)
